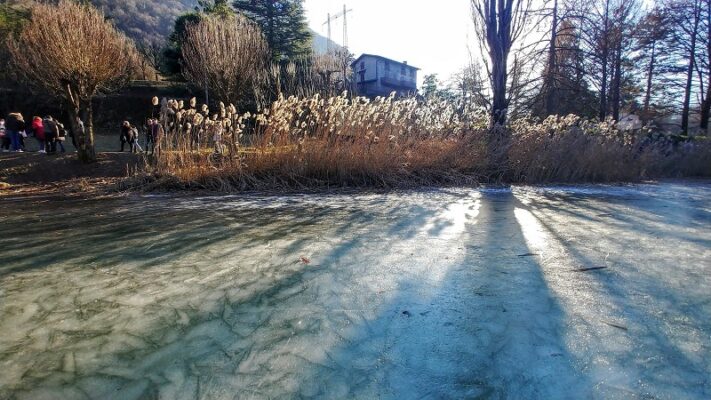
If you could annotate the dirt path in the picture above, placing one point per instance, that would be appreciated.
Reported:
(35, 173)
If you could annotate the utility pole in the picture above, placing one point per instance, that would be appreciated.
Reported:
(328, 42)
(334, 17)
(345, 26)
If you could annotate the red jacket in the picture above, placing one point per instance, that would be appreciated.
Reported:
(38, 129)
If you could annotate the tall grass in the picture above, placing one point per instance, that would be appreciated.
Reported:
(317, 142)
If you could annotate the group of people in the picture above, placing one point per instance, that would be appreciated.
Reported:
(130, 136)
(49, 133)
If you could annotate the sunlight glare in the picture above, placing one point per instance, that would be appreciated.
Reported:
(531, 229)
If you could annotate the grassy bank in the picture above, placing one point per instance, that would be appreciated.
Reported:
(337, 142)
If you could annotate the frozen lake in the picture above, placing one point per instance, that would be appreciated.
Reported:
(538, 293)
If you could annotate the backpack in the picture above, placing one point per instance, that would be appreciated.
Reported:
(62, 131)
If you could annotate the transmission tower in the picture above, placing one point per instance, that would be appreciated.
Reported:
(334, 17)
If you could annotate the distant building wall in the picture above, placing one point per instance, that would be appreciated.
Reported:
(379, 76)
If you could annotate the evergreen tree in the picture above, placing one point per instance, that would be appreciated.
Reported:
(430, 86)
(565, 89)
(172, 53)
(283, 24)
(215, 7)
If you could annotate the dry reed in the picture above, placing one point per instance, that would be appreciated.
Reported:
(300, 143)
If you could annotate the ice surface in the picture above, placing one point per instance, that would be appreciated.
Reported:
(546, 292)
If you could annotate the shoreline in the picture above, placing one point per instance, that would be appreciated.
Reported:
(32, 175)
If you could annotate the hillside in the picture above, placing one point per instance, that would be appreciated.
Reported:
(152, 20)
(320, 44)
(145, 20)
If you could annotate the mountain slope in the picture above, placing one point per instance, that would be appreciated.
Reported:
(152, 21)
(321, 44)
(145, 20)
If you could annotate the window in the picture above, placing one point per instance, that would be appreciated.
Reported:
(387, 67)
(362, 65)
(402, 70)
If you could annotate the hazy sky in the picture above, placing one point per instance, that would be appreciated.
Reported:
(430, 35)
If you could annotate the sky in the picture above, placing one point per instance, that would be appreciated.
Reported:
(431, 35)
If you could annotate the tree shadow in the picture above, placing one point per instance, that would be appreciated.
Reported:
(120, 314)
(426, 295)
(116, 233)
(644, 319)
(473, 320)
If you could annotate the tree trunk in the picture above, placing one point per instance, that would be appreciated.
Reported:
(499, 104)
(617, 82)
(84, 138)
(602, 113)
(687, 89)
(706, 108)
(271, 40)
(552, 73)
(690, 73)
(706, 104)
(648, 91)
(77, 107)
(605, 58)
(499, 135)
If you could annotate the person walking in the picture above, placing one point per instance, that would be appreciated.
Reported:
(136, 141)
(38, 132)
(157, 134)
(79, 125)
(14, 124)
(150, 139)
(24, 135)
(4, 137)
(61, 136)
(126, 134)
(51, 133)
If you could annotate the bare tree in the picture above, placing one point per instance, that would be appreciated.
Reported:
(624, 20)
(499, 25)
(333, 70)
(704, 67)
(550, 75)
(75, 54)
(151, 61)
(688, 17)
(470, 86)
(652, 35)
(228, 55)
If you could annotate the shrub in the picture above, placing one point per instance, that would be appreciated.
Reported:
(228, 54)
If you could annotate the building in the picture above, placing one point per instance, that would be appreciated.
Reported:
(380, 76)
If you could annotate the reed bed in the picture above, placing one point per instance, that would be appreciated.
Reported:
(304, 143)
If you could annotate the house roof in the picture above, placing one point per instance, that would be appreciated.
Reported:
(382, 58)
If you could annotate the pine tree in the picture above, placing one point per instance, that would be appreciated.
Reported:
(283, 24)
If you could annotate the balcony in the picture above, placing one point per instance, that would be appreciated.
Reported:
(399, 83)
